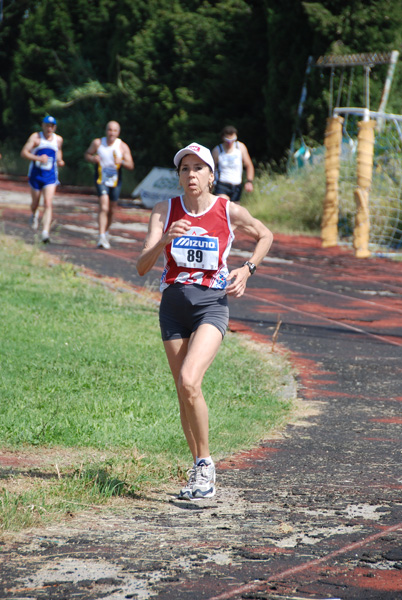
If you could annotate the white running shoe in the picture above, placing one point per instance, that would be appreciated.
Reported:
(45, 237)
(34, 221)
(204, 486)
(103, 242)
(186, 493)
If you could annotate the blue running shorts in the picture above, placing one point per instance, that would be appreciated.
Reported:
(37, 182)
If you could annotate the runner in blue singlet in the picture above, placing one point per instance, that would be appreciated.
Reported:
(44, 150)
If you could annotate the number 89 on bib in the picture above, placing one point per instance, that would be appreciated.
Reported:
(196, 252)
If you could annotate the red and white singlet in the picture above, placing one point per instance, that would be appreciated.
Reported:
(200, 255)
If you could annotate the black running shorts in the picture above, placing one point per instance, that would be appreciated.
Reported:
(229, 189)
(184, 307)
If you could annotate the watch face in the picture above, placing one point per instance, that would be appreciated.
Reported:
(251, 267)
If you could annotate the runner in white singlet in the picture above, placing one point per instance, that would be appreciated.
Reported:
(231, 157)
(108, 154)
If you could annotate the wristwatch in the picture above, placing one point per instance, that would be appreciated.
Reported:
(251, 267)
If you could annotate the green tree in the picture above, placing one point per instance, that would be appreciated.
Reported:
(297, 30)
(188, 73)
(172, 71)
(14, 14)
(66, 63)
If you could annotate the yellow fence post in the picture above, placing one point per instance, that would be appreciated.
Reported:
(365, 153)
(333, 144)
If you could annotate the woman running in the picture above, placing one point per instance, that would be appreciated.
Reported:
(195, 232)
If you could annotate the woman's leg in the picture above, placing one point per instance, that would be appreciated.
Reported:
(176, 351)
(189, 361)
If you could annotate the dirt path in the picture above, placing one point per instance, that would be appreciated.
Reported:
(314, 514)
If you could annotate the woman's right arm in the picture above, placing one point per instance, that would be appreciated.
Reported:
(154, 243)
(157, 239)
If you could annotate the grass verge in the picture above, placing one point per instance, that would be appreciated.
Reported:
(87, 399)
(288, 204)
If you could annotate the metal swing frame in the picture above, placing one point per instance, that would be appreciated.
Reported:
(365, 60)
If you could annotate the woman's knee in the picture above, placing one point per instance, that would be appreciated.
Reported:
(188, 387)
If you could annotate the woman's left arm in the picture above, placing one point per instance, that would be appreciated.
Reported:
(241, 219)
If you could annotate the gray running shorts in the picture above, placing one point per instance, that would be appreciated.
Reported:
(184, 307)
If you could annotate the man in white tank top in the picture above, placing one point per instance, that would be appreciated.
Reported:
(108, 154)
(231, 157)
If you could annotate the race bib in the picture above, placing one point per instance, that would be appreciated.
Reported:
(196, 252)
(111, 181)
(45, 167)
(110, 177)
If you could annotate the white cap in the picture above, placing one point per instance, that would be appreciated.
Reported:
(194, 148)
